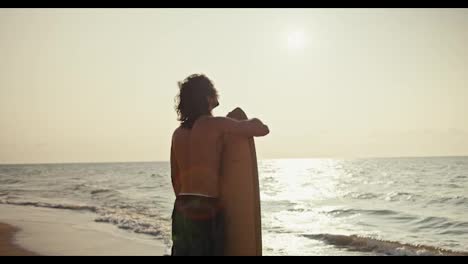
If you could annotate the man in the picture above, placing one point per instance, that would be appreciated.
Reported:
(195, 165)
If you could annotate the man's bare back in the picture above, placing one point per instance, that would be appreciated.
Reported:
(196, 152)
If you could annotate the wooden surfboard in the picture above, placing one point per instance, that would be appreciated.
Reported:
(240, 194)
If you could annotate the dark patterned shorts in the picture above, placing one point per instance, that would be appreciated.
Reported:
(197, 227)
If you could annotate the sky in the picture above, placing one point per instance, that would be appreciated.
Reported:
(98, 85)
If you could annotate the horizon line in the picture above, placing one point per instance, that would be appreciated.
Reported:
(164, 161)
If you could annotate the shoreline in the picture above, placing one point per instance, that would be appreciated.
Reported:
(30, 231)
(7, 242)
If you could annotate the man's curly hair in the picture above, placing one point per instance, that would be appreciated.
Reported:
(191, 101)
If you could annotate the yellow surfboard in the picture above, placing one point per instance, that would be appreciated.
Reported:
(240, 195)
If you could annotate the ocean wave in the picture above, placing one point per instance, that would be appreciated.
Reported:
(298, 210)
(6, 171)
(146, 187)
(9, 181)
(401, 196)
(33, 172)
(100, 191)
(389, 197)
(361, 196)
(455, 200)
(461, 224)
(442, 224)
(393, 248)
(78, 187)
(140, 220)
(137, 223)
(448, 185)
(350, 212)
(53, 206)
(124, 217)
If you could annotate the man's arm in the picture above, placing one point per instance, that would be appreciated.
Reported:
(175, 172)
(249, 128)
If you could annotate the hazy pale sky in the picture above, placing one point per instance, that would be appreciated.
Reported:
(96, 85)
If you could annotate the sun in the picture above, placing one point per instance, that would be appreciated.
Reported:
(296, 40)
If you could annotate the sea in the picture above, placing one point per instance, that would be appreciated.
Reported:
(372, 206)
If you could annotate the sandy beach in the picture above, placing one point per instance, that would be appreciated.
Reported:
(7, 245)
(42, 231)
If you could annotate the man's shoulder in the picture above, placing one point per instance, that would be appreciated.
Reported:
(177, 131)
(219, 119)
